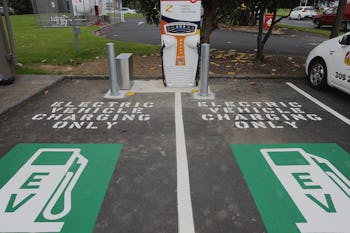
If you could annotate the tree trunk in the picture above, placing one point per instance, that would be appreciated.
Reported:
(209, 23)
(338, 19)
(261, 41)
(260, 45)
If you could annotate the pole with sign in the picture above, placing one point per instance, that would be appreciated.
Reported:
(180, 39)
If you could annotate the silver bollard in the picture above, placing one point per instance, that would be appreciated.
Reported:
(112, 69)
(204, 72)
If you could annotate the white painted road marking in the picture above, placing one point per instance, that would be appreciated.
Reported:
(22, 199)
(318, 189)
(184, 203)
(319, 103)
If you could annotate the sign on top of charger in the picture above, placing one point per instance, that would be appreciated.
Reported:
(180, 10)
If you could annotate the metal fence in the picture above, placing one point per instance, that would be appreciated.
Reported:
(64, 13)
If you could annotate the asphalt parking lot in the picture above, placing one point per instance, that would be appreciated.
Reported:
(166, 162)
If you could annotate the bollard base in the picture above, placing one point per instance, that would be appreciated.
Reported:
(121, 95)
(199, 96)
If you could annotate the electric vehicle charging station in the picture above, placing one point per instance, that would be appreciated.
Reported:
(180, 40)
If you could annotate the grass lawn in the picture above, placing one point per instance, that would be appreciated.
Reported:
(56, 45)
(131, 16)
(283, 12)
(311, 30)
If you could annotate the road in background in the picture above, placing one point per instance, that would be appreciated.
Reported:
(292, 42)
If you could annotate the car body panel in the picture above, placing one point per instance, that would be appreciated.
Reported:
(128, 10)
(337, 60)
(329, 15)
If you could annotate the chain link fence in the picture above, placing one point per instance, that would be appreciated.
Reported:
(64, 13)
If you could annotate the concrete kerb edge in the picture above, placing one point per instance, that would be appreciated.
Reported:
(257, 76)
(212, 76)
(97, 31)
(22, 101)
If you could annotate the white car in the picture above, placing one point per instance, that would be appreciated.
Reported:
(128, 10)
(11, 10)
(302, 12)
(329, 64)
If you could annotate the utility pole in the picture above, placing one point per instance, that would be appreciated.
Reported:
(8, 57)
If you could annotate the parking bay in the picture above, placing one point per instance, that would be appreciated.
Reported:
(142, 193)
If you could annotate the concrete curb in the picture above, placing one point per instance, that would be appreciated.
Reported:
(24, 88)
(213, 76)
(97, 32)
(258, 76)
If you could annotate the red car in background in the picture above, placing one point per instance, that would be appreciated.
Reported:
(328, 18)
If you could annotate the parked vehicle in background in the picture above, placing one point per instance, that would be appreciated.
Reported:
(328, 64)
(329, 15)
(128, 10)
(11, 11)
(303, 12)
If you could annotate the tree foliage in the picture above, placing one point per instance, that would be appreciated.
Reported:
(151, 10)
(131, 4)
(241, 13)
(20, 6)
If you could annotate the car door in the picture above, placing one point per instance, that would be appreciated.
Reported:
(339, 69)
(328, 17)
(294, 14)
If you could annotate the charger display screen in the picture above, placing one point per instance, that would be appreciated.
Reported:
(180, 29)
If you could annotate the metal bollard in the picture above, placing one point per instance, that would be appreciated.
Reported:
(204, 72)
(112, 69)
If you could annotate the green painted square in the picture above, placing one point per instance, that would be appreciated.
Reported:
(278, 210)
(89, 173)
(47, 158)
(288, 158)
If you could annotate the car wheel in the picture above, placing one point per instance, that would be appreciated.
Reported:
(299, 17)
(317, 23)
(317, 75)
(344, 26)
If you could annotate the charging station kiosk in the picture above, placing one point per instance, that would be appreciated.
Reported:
(180, 40)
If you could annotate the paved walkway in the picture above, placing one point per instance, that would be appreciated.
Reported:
(24, 87)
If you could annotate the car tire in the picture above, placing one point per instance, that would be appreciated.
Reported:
(317, 74)
(317, 23)
(344, 26)
(299, 17)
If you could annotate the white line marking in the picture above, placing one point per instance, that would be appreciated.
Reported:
(184, 204)
(157, 86)
(319, 103)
